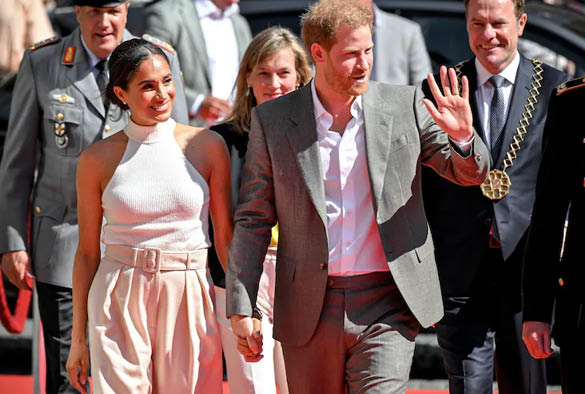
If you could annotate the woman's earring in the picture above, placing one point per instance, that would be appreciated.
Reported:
(248, 92)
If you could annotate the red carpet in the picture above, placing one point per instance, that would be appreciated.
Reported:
(19, 384)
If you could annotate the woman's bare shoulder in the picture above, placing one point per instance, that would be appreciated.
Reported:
(199, 137)
(106, 151)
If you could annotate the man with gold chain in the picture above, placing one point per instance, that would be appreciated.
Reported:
(479, 232)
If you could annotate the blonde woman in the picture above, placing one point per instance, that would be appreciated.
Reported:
(274, 64)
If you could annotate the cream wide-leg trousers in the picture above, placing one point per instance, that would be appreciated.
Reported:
(151, 323)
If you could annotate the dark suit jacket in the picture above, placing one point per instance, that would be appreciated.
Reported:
(560, 186)
(282, 181)
(459, 217)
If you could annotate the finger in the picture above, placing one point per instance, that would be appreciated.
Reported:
(432, 110)
(83, 374)
(445, 81)
(254, 345)
(245, 350)
(465, 88)
(254, 359)
(454, 81)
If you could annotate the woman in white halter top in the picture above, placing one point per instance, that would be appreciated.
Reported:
(148, 303)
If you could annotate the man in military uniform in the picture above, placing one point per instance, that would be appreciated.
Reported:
(480, 232)
(57, 111)
(553, 271)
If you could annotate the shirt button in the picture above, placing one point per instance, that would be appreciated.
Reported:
(347, 244)
(348, 213)
(38, 209)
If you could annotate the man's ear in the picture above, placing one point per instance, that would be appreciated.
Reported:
(318, 53)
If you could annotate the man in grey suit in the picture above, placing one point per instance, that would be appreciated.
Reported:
(57, 111)
(211, 38)
(337, 164)
(400, 53)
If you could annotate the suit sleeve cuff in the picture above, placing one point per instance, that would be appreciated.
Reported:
(464, 149)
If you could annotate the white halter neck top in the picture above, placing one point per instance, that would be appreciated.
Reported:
(156, 197)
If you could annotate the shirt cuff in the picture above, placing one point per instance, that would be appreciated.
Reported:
(463, 148)
(196, 105)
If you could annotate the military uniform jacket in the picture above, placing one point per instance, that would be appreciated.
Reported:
(560, 187)
(459, 217)
(55, 92)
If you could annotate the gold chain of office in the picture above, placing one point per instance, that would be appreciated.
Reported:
(497, 184)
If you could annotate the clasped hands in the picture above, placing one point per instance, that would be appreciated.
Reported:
(452, 112)
(248, 336)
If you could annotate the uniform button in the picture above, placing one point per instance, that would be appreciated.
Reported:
(107, 128)
(561, 282)
(38, 209)
(60, 116)
(323, 266)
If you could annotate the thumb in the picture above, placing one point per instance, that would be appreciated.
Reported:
(253, 343)
(546, 343)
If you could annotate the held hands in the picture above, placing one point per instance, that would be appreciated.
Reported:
(248, 336)
(453, 112)
(77, 365)
(16, 267)
(536, 337)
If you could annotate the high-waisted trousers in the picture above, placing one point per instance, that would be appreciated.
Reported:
(151, 323)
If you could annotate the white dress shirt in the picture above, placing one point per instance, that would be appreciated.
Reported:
(485, 92)
(222, 49)
(355, 246)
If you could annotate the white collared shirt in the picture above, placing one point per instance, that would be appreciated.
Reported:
(222, 49)
(355, 246)
(485, 92)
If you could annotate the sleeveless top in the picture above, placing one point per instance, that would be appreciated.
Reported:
(156, 197)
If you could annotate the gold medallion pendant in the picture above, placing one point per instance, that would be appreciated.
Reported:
(497, 185)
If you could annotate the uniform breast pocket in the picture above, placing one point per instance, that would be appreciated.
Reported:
(64, 130)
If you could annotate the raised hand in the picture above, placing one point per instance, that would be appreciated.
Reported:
(453, 112)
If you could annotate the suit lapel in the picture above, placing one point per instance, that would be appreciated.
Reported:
(302, 136)
(81, 76)
(378, 137)
(471, 74)
(197, 37)
(518, 100)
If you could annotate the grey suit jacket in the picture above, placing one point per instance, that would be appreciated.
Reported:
(400, 53)
(176, 22)
(47, 86)
(282, 181)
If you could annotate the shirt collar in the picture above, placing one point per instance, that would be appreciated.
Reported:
(509, 73)
(93, 59)
(207, 9)
(356, 109)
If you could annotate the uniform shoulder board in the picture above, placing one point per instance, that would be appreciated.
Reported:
(44, 43)
(570, 85)
(159, 43)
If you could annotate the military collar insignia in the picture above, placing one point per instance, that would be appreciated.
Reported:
(159, 43)
(570, 85)
(69, 55)
(44, 43)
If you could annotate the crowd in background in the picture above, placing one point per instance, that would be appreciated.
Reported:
(140, 158)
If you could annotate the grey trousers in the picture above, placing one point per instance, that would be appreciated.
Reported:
(364, 341)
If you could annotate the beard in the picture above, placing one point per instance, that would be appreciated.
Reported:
(345, 83)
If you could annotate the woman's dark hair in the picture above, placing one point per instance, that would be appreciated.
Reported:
(124, 62)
